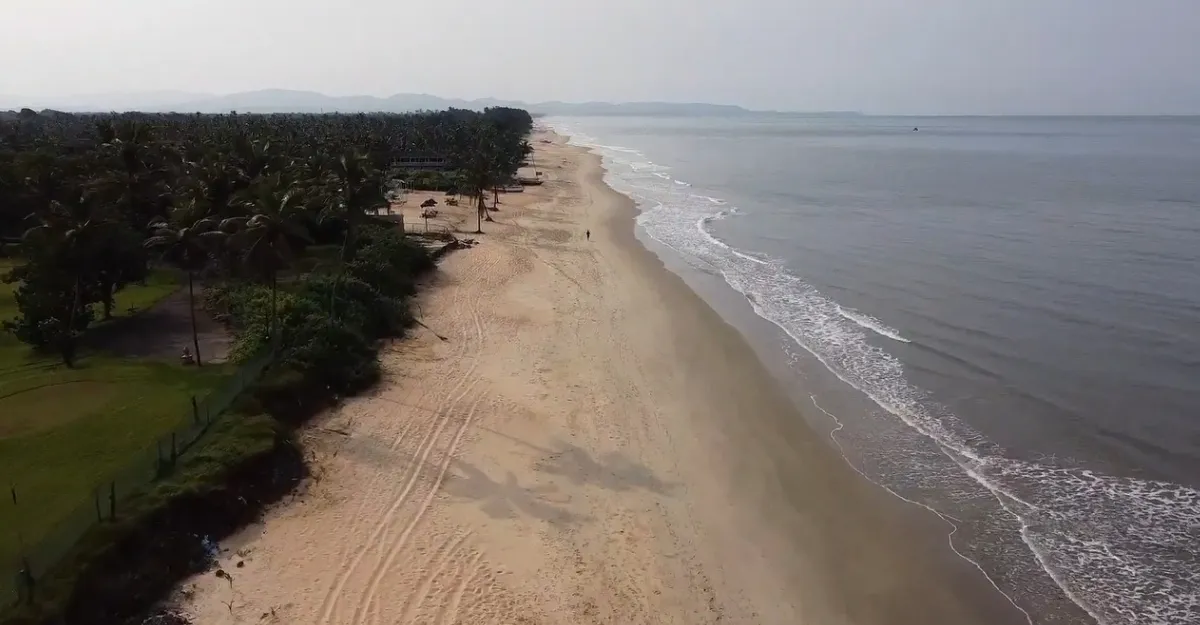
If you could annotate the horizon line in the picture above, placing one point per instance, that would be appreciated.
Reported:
(46, 103)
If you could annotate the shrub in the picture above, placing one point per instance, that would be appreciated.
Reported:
(218, 301)
(330, 353)
(327, 322)
(249, 310)
(286, 394)
(389, 262)
(431, 180)
(358, 304)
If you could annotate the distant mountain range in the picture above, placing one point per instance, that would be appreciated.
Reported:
(287, 101)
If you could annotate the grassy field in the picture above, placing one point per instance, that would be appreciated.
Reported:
(64, 431)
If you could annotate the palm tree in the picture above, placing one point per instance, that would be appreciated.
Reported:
(130, 177)
(254, 159)
(358, 190)
(268, 237)
(213, 182)
(426, 207)
(479, 172)
(187, 248)
(504, 166)
(355, 190)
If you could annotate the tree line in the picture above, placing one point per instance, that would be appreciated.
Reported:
(89, 202)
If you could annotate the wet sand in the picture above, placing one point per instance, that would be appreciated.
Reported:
(590, 443)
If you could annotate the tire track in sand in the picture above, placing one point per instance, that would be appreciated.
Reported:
(443, 557)
(414, 472)
(385, 566)
(336, 592)
(449, 611)
(359, 517)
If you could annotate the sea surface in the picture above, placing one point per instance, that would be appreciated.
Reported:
(1015, 301)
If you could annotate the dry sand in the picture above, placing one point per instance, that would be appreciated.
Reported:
(590, 444)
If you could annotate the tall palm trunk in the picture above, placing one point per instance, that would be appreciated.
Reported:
(192, 310)
(66, 346)
(479, 214)
(341, 276)
(274, 306)
(106, 289)
(347, 240)
(351, 233)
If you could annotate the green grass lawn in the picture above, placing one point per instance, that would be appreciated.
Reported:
(137, 297)
(133, 298)
(65, 431)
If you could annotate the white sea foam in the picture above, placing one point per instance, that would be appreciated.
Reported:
(870, 323)
(702, 226)
(1125, 550)
(714, 200)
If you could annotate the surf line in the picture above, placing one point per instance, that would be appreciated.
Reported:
(947, 518)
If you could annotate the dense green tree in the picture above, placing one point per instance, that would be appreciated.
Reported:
(60, 249)
(117, 261)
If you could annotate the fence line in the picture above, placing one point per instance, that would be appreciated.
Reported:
(420, 227)
(18, 580)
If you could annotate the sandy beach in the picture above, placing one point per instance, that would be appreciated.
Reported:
(583, 440)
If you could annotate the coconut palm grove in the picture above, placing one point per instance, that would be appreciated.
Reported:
(90, 199)
(267, 224)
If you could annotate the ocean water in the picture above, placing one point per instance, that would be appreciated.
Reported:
(1015, 300)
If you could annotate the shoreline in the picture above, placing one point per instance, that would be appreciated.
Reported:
(761, 338)
(592, 443)
(1024, 585)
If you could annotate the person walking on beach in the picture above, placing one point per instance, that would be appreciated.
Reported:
(588, 234)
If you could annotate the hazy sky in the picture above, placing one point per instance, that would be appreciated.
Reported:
(902, 56)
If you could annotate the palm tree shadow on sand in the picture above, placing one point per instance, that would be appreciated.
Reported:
(612, 470)
(464, 482)
(507, 499)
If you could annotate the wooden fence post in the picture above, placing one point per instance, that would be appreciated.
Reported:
(26, 575)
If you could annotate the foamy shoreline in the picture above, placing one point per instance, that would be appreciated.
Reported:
(1051, 532)
(592, 444)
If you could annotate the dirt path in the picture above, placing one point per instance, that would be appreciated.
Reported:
(163, 331)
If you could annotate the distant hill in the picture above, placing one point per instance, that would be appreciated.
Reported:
(286, 101)
(30, 113)
(289, 101)
(636, 108)
(101, 101)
